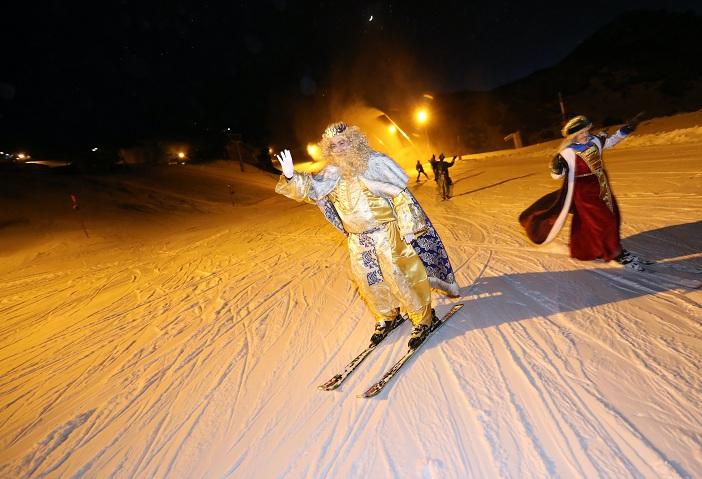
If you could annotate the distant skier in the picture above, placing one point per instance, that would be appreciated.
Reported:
(445, 181)
(433, 162)
(586, 193)
(420, 171)
(396, 255)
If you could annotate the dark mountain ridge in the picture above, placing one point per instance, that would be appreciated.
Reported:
(640, 61)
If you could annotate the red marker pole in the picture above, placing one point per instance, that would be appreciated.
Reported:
(76, 207)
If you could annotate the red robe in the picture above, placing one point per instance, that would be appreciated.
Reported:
(594, 230)
(587, 195)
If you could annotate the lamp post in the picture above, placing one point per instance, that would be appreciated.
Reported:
(421, 116)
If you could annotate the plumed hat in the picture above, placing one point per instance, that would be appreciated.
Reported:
(575, 125)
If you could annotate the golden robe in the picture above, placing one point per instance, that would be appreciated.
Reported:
(387, 270)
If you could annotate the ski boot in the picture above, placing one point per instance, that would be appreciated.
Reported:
(419, 334)
(434, 320)
(636, 257)
(382, 328)
(421, 331)
(629, 261)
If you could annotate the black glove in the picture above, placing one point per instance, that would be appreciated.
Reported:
(631, 125)
(558, 164)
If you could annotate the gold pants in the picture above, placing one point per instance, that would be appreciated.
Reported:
(390, 274)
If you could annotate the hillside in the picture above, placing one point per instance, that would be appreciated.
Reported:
(639, 61)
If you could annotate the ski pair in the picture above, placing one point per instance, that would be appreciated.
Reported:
(337, 379)
(378, 386)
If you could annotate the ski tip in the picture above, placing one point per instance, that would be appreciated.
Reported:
(371, 392)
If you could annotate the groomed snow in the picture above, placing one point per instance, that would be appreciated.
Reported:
(169, 329)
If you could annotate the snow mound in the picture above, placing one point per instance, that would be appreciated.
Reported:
(675, 137)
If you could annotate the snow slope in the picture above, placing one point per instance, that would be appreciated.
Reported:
(169, 328)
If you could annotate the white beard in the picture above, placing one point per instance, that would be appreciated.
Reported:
(350, 164)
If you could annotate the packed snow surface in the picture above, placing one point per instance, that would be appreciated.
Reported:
(177, 324)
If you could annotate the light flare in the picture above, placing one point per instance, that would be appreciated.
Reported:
(313, 151)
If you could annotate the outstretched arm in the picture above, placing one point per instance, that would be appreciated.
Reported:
(610, 141)
(624, 131)
(295, 186)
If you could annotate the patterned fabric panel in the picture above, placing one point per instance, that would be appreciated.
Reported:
(330, 213)
(370, 260)
(432, 252)
(428, 246)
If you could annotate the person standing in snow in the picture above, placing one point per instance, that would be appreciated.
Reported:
(433, 162)
(586, 193)
(395, 253)
(420, 171)
(445, 182)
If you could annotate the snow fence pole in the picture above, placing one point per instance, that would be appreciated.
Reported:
(76, 207)
(231, 194)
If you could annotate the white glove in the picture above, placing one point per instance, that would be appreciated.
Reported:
(409, 238)
(286, 163)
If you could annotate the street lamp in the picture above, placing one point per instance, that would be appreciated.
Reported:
(421, 116)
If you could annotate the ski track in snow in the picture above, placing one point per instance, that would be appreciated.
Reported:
(198, 354)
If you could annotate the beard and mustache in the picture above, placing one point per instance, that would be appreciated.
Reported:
(354, 160)
(350, 163)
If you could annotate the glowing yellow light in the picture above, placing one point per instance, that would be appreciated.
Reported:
(21, 156)
(181, 155)
(270, 150)
(313, 150)
(392, 129)
(422, 116)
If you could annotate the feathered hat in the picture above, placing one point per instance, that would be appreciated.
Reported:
(576, 125)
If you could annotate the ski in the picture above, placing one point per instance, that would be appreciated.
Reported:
(337, 379)
(674, 267)
(377, 387)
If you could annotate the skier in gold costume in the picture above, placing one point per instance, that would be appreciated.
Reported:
(395, 254)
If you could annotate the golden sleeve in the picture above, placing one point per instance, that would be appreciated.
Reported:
(410, 219)
(298, 188)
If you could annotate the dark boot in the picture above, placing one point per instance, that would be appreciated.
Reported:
(629, 261)
(419, 334)
(636, 257)
(382, 328)
(434, 320)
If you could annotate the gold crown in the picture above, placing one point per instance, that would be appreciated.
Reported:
(334, 129)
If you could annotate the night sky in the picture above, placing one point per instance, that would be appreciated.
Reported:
(74, 74)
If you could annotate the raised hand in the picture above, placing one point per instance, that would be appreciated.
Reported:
(631, 125)
(286, 163)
